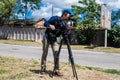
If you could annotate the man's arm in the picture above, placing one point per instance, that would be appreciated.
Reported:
(50, 22)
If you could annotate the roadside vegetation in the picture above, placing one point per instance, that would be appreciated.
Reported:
(19, 69)
(90, 21)
(77, 47)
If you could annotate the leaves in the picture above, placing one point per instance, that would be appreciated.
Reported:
(6, 10)
(9, 8)
(25, 6)
(115, 17)
(90, 12)
(114, 37)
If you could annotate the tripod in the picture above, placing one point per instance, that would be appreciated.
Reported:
(65, 38)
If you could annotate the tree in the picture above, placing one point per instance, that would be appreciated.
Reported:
(6, 10)
(115, 17)
(24, 6)
(90, 12)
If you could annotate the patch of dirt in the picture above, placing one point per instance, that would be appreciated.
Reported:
(66, 70)
(18, 69)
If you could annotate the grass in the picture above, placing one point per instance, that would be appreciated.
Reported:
(19, 69)
(98, 48)
(13, 68)
(79, 47)
(111, 71)
(21, 42)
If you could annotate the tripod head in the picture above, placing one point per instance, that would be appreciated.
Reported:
(64, 27)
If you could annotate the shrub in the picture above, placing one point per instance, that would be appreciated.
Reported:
(114, 37)
(85, 35)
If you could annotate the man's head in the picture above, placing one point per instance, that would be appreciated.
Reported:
(66, 15)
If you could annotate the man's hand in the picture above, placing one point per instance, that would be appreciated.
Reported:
(52, 27)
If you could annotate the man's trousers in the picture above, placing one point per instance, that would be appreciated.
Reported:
(54, 47)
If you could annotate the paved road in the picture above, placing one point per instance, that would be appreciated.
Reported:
(81, 57)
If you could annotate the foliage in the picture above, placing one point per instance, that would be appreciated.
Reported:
(114, 37)
(90, 12)
(6, 10)
(115, 17)
(85, 35)
(25, 6)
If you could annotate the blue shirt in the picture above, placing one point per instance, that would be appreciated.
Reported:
(52, 21)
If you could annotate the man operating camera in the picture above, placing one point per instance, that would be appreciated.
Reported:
(50, 38)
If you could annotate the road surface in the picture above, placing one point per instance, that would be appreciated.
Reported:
(81, 57)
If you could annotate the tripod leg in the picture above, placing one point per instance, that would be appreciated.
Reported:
(71, 58)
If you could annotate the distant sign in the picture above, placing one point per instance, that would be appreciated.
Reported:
(105, 17)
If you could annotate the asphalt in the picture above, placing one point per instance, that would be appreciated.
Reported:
(81, 57)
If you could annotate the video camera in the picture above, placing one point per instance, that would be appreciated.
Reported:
(63, 27)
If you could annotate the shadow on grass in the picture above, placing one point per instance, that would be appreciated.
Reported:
(49, 72)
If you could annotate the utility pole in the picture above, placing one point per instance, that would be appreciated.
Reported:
(52, 10)
(25, 11)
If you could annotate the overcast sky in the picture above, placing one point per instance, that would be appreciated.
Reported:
(59, 5)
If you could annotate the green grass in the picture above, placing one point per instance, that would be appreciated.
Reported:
(2, 71)
(111, 71)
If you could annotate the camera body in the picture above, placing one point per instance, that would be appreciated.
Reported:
(64, 26)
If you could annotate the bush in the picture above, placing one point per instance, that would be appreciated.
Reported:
(85, 35)
(114, 37)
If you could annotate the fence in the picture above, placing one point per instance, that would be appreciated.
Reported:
(21, 33)
(31, 33)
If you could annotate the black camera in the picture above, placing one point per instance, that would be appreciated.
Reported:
(73, 22)
(64, 26)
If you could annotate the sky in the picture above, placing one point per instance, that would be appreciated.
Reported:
(111, 4)
(58, 5)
